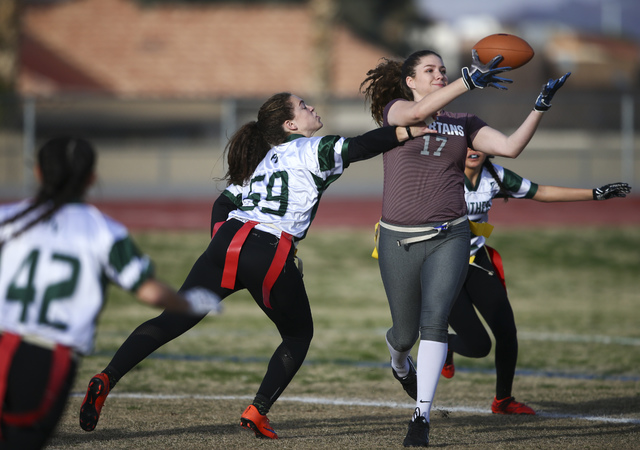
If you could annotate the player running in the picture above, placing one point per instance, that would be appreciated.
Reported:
(424, 233)
(57, 254)
(484, 287)
(277, 173)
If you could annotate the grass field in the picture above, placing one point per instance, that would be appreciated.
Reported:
(575, 294)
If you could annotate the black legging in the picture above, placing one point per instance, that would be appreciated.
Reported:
(290, 311)
(486, 293)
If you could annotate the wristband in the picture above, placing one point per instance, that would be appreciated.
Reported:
(409, 132)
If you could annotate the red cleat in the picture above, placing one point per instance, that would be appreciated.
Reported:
(509, 405)
(257, 423)
(449, 369)
(94, 399)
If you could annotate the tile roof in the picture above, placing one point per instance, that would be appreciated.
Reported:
(222, 50)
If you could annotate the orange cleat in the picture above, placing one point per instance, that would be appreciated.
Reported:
(257, 423)
(509, 405)
(94, 399)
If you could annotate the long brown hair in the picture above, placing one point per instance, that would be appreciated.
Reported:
(388, 81)
(67, 165)
(492, 171)
(248, 146)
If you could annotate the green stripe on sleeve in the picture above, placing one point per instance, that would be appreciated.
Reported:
(326, 152)
(123, 253)
(236, 199)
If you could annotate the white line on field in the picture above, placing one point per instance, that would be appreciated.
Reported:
(559, 337)
(522, 335)
(359, 402)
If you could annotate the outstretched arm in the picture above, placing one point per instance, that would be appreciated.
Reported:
(382, 139)
(549, 194)
(405, 112)
(199, 301)
(493, 142)
(477, 75)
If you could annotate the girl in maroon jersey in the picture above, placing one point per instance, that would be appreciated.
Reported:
(423, 243)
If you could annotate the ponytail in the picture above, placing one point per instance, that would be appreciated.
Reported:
(248, 146)
(382, 85)
(66, 165)
(492, 171)
(245, 150)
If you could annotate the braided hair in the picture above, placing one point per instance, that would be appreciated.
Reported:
(492, 171)
(67, 166)
(388, 81)
(249, 145)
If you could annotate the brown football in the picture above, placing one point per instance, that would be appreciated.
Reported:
(516, 51)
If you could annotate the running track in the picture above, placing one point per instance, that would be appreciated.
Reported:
(365, 212)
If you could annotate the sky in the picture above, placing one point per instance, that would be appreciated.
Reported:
(619, 16)
(442, 10)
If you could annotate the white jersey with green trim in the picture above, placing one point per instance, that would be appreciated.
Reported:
(53, 276)
(285, 188)
(479, 197)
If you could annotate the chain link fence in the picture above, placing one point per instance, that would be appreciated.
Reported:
(153, 148)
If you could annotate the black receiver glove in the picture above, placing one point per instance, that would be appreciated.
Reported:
(611, 190)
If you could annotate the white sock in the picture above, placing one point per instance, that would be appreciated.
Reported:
(399, 360)
(431, 357)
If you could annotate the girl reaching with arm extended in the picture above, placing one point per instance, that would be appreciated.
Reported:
(277, 173)
(423, 243)
(57, 255)
(484, 287)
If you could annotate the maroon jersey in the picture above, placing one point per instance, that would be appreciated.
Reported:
(424, 177)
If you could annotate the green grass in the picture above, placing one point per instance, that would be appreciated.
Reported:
(574, 293)
(575, 297)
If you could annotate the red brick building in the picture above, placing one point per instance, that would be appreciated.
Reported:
(120, 48)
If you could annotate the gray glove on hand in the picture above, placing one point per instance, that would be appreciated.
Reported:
(483, 75)
(202, 301)
(543, 102)
(611, 190)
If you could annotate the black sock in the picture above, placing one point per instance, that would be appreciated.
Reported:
(113, 376)
(262, 404)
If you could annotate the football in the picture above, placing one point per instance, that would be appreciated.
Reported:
(516, 51)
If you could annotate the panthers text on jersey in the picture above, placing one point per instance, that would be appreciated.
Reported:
(479, 197)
